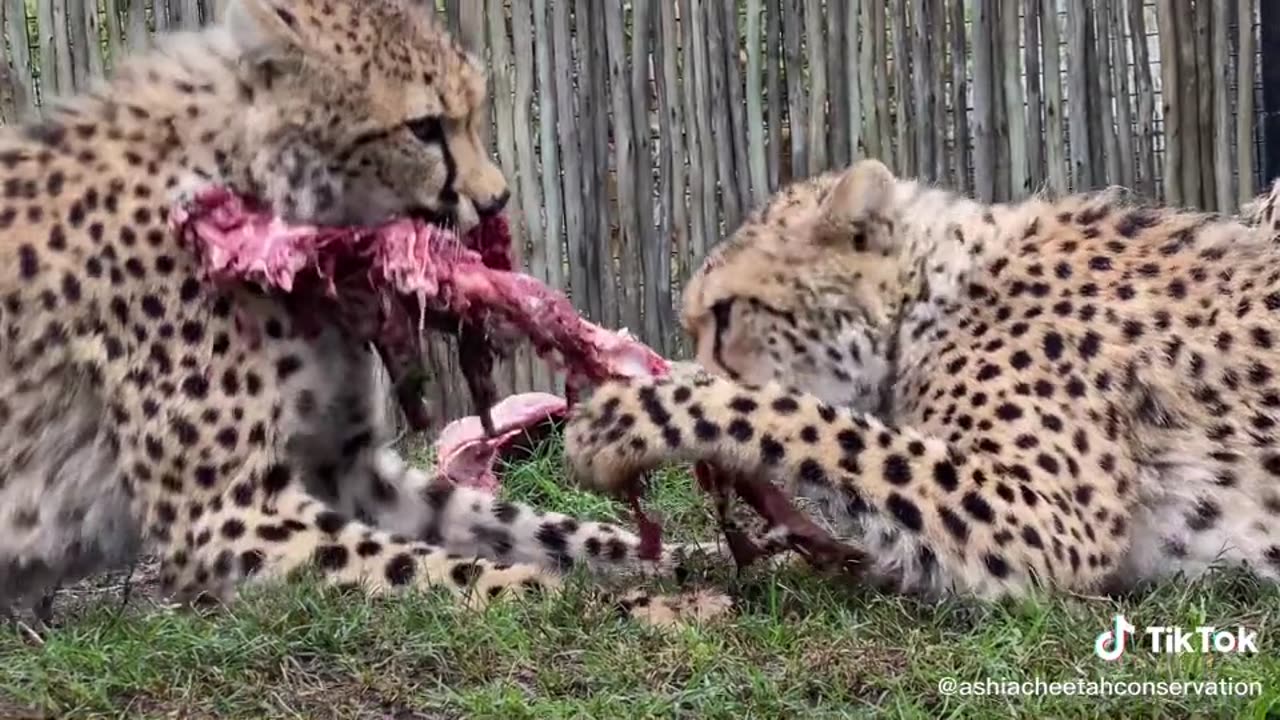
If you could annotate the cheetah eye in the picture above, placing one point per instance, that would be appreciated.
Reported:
(428, 129)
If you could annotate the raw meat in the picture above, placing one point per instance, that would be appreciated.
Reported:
(386, 284)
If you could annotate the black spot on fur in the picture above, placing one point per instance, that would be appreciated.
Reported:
(978, 508)
(400, 569)
(331, 557)
(907, 512)
(958, 528)
(464, 573)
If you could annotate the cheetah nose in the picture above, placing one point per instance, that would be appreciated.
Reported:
(494, 206)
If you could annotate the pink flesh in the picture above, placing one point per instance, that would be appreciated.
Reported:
(465, 455)
(410, 258)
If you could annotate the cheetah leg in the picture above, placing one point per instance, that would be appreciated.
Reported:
(474, 523)
(928, 517)
(267, 527)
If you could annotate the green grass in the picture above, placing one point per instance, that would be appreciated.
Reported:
(795, 647)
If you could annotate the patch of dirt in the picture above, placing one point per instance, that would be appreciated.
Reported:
(672, 611)
(126, 588)
(11, 710)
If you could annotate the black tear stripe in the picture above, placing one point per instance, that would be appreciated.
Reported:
(720, 313)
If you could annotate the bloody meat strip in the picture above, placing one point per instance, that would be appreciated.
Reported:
(378, 280)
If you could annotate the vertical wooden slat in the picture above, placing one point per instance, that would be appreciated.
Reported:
(191, 14)
(1145, 90)
(15, 27)
(939, 75)
(856, 78)
(137, 34)
(817, 115)
(706, 102)
(1104, 104)
(1171, 94)
(1189, 86)
(77, 43)
(1015, 113)
(838, 75)
(49, 51)
(960, 94)
(624, 167)
(530, 191)
(1124, 103)
(1244, 99)
(1205, 94)
(452, 13)
(869, 64)
(721, 126)
(757, 163)
(1000, 121)
(1094, 113)
(775, 90)
(921, 87)
(115, 36)
(1077, 96)
(699, 203)
(502, 85)
(797, 98)
(675, 215)
(1055, 149)
(984, 150)
(655, 264)
(1223, 127)
(880, 55)
(585, 251)
(1035, 125)
(549, 245)
(602, 206)
(904, 123)
(730, 53)
(568, 135)
(93, 33)
(9, 78)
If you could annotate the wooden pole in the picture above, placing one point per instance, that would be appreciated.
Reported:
(960, 95)
(755, 104)
(1220, 67)
(1146, 101)
(1014, 108)
(1055, 148)
(1244, 99)
(984, 151)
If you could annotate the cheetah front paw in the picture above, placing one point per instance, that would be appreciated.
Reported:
(629, 427)
(613, 438)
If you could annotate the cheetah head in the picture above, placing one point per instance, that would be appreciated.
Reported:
(361, 111)
(804, 292)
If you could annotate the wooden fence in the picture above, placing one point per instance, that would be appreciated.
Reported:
(637, 134)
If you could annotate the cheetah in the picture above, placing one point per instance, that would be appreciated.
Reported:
(138, 413)
(1074, 393)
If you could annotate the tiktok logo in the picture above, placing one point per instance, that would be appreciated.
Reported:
(1110, 643)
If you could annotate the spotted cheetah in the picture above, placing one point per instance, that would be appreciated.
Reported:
(1073, 393)
(138, 413)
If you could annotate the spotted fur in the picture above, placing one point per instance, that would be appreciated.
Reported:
(137, 410)
(1076, 393)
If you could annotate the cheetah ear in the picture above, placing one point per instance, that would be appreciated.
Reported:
(856, 208)
(267, 33)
